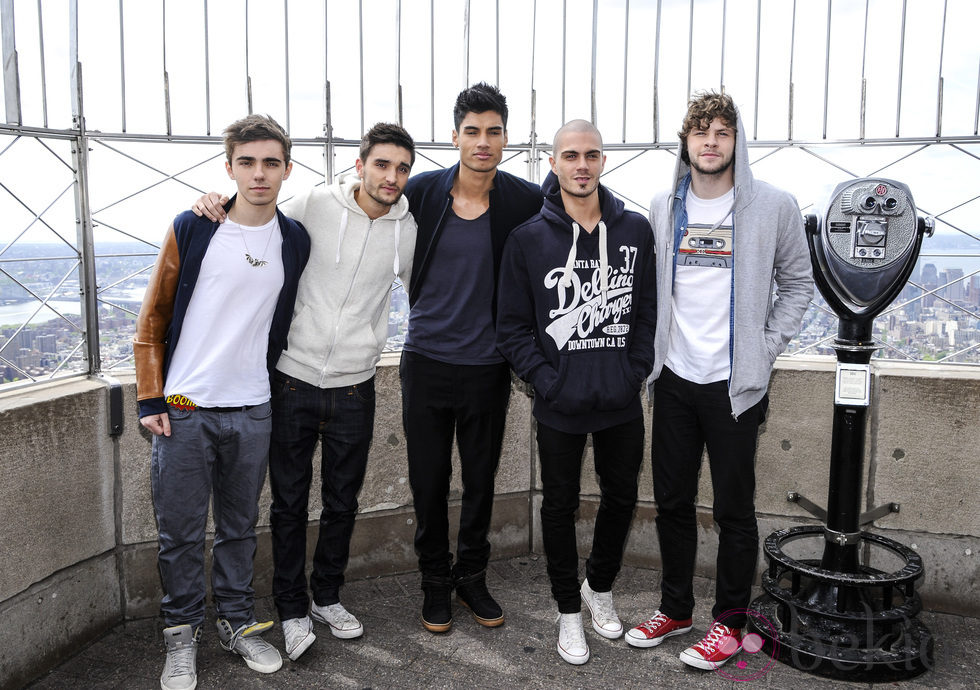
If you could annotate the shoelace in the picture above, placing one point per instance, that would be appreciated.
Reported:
(651, 625)
(343, 616)
(604, 606)
(182, 660)
(574, 634)
(714, 637)
(294, 627)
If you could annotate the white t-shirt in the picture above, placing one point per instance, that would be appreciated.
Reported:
(698, 349)
(220, 358)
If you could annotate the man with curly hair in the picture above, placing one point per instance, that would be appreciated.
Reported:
(734, 281)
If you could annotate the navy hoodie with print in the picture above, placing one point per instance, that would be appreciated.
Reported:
(576, 312)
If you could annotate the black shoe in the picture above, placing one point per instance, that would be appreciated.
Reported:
(437, 608)
(471, 592)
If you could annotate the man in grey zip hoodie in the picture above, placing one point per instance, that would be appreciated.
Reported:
(362, 237)
(734, 281)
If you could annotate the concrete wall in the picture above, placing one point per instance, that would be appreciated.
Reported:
(77, 531)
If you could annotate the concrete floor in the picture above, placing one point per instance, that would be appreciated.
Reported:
(396, 652)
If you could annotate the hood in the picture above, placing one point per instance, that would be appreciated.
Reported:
(343, 191)
(553, 210)
(744, 180)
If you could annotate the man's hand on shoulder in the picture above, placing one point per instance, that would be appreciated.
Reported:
(211, 205)
(158, 424)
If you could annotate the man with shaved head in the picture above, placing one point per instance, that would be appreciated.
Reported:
(576, 317)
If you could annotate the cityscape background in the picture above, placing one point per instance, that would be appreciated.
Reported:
(828, 91)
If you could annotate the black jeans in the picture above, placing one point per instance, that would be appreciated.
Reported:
(687, 417)
(438, 400)
(618, 453)
(342, 419)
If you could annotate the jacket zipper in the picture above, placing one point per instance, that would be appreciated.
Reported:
(343, 305)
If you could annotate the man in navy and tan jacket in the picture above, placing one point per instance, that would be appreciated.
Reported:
(212, 325)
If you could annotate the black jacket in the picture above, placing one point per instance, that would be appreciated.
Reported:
(512, 201)
(586, 353)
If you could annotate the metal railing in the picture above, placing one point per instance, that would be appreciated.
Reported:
(814, 117)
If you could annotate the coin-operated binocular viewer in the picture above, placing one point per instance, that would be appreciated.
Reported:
(837, 616)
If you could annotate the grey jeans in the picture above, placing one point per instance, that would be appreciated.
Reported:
(224, 453)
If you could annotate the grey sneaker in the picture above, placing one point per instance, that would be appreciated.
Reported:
(258, 654)
(180, 669)
(299, 636)
(342, 623)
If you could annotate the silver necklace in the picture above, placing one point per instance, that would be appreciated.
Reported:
(257, 263)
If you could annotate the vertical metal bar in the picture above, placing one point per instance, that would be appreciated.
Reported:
(286, 51)
(626, 61)
(44, 79)
(248, 75)
(466, 44)
(432, 67)
(360, 52)
(398, 61)
(901, 64)
(758, 65)
(939, 94)
(656, 78)
(328, 147)
(690, 45)
(88, 299)
(497, 34)
(11, 71)
(976, 110)
(166, 76)
(207, 71)
(792, 56)
(122, 61)
(826, 68)
(864, 81)
(564, 54)
(724, 27)
(595, 35)
(533, 138)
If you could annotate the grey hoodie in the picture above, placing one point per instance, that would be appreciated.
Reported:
(772, 282)
(340, 323)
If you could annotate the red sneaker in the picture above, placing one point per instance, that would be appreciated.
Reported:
(718, 646)
(656, 630)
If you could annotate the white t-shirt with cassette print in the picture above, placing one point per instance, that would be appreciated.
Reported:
(698, 348)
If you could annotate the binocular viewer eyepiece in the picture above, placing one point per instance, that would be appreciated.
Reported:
(866, 245)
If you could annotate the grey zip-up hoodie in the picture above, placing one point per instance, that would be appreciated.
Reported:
(340, 322)
(772, 282)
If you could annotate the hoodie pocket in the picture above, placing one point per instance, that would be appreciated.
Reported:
(753, 360)
(565, 396)
(619, 390)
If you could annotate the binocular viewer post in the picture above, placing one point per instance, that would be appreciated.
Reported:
(837, 616)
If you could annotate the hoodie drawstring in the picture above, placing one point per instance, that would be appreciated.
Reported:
(340, 235)
(398, 234)
(603, 261)
(566, 276)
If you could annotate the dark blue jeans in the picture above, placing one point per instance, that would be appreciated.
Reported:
(342, 419)
(687, 417)
(618, 456)
(209, 457)
(438, 401)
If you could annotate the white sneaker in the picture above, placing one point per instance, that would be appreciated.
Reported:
(604, 618)
(180, 669)
(571, 639)
(342, 623)
(299, 636)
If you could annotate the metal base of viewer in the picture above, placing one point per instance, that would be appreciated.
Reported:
(846, 626)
